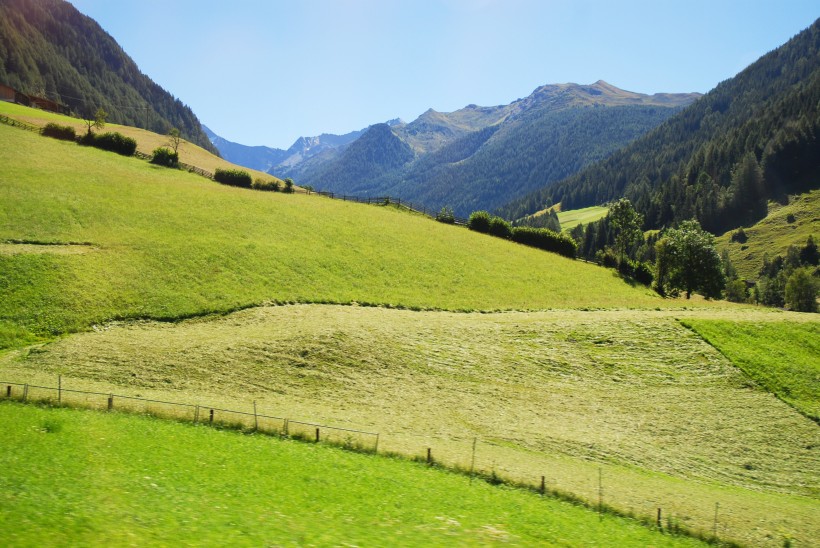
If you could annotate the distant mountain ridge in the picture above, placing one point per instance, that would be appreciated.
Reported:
(49, 49)
(481, 157)
(753, 138)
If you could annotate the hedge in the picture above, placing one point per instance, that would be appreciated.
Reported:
(546, 239)
(163, 156)
(233, 177)
(479, 221)
(113, 142)
(66, 133)
(266, 184)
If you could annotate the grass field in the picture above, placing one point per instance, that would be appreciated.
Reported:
(556, 367)
(783, 357)
(574, 217)
(71, 477)
(774, 234)
(147, 141)
(669, 421)
(162, 243)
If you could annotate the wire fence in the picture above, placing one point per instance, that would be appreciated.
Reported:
(384, 200)
(249, 420)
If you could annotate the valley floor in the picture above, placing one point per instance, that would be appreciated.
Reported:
(664, 418)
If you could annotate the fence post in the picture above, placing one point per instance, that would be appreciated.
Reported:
(255, 417)
(8, 391)
(543, 485)
(600, 493)
(472, 462)
(317, 435)
(376, 448)
(59, 389)
(110, 402)
(196, 414)
(25, 392)
(659, 519)
(285, 428)
(211, 418)
(429, 456)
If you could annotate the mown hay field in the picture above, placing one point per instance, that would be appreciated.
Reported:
(633, 395)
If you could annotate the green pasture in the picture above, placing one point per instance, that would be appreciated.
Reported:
(774, 234)
(70, 477)
(633, 395)
(574, 217)
(783, 357)
(165, 244)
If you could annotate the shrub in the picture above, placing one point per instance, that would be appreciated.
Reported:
(500, 228)
(801, 291)
(164, 156)
(626, 268)
(270, 185)
(112, 142)
(740, 236)
(479, 221)
(446, 216)
(643, 273)
(546, 239)
(790, 218)
(66, 133)
(233, 177)
(288, 185)
(736, 291)
(607, 258)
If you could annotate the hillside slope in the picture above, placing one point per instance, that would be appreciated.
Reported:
(480, 157)
(227, 248)
(48, 48)
(754, 137)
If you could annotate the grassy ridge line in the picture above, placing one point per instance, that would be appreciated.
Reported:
(147, 141)
(783, 357)
(173, 245)
(120, 480)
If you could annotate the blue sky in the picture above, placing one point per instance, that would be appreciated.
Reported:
(265, 72)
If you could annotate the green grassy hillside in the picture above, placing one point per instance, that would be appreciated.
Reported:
(162, 243)
(774, 234)
(783, 357)
(79, 477)
(574, 217)
(668, 419)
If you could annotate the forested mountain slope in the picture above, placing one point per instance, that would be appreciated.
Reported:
(49, 49)
(754, 137)
(480, 157)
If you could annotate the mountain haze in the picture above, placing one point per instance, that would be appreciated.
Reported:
(49, 49)
(480, 157)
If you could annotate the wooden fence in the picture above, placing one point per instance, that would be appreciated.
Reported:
(210, 415)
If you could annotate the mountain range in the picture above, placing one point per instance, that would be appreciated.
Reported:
(755, 137)
(476, 157)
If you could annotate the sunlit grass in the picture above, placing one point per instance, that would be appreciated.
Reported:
(668, 420)
(168, 244)
(86, 478)
(783, 357)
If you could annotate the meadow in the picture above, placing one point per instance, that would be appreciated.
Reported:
(147, 141)
(633, 395)
(125, 277)
(783, 357)
(74, 477)
(774, 234)
(572, 218)
(165, 244)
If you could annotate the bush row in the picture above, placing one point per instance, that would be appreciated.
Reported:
(164, 156)
(639, 271)
(56, 131)
(542, 238)
(112, 142)
(233, 177)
